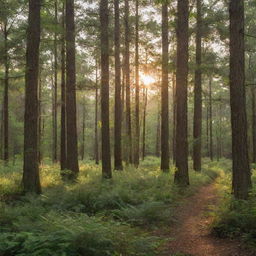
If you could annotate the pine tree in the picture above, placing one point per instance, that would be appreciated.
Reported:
(31, 179)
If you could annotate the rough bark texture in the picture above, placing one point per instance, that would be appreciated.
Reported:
(210, 120)
(118, 105)
(197, 132)
(253, 125)
(174, 117)
(137, 91)
(144, 124)
(63, 132)
(165, 154)
(40, 116)
(96, 137)
(31, 180)
(54, 130)
(181, 174)
(83, 131)
(6, 96)
(106, 158)
(158, 132)
(241, 170)
(72, 150)
(128, 85)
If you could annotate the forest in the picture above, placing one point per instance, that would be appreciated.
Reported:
(127, 128)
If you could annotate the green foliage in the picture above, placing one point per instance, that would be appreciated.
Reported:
(235, 218)
(93, 216)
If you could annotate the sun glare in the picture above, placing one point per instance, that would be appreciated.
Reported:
(147, 79)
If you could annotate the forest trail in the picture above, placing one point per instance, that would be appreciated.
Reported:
(191, 234)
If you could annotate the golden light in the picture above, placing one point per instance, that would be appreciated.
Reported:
(147, 79)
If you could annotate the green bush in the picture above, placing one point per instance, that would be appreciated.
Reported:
(235, 218)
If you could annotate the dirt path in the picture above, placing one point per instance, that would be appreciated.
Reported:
(191, 233)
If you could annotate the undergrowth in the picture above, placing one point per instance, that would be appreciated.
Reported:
(94, 216)
(235, 218)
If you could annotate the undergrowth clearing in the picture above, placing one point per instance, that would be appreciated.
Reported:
(93, 216)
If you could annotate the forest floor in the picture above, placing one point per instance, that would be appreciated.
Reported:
(191, 233)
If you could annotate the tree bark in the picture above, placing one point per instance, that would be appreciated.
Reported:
(241, 169)
(40, 153)
(127, 82)
(174, 118)
(83, 131)
(181, 174)
(158, 132)
(54, 149)
(96, 137)
(106, 158)
(30, 179)
(210, 120)
(137, 91)
(144, 123)
(165, 154)
(197, 131)
(253, 125)
(72, 150)
(63, 132)
(6, 96)
(118, 105)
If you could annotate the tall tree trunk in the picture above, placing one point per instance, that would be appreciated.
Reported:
(253, 125)
(40, 154)
(144, 123)
(197, 144)
(2, 130)
(63, 132)
(210, 120)
(83, 131)
(174, 117)
(118, 105)
(128, 86)
(6, 96)
(181, 175)
(219, 135)
(241, 170)
(96, 137)
(31, 180)
(207, 130)
(137, 91)
(72, 150)
(106, 158)
(54, 149)
(165, 154)
(158, 132)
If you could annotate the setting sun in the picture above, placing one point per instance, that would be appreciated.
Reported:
(147, 79)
